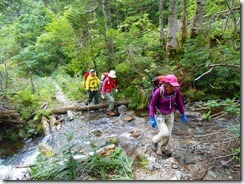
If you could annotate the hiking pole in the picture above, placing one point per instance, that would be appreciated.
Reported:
(88, 109)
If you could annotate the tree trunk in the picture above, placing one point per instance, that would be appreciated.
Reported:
(107, 15)
(172, 45)
(161, 26)
(198, 20)
(184, 25)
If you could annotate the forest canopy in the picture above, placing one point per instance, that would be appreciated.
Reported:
(197, 40)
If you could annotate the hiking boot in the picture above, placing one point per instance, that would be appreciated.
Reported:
(154, 146)
(110, 113)
(167, 153)
(87, 103)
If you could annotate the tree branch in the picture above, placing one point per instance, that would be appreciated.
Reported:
(204, 74)
(230, 65)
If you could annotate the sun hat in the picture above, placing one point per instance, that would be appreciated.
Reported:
(172, 80)
(92, 70)
(112, 74)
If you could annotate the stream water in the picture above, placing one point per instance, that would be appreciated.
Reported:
(80, 130)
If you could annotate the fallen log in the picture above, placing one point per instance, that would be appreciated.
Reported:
(64, 110)
(13, 121)
(9, 113)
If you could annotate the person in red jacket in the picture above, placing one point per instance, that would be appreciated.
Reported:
(107, 91)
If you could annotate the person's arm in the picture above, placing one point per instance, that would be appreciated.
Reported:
(180, 106)
(179, 102)
(153, 103)
(115, 86)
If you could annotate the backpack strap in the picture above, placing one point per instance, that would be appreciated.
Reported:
(162, 95)
(161, 88)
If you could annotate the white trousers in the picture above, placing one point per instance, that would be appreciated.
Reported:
(165, 125)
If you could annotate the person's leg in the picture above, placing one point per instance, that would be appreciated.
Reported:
(163, 134)
(169, 121)
(96, 97)
(110, 98)
(89, 97)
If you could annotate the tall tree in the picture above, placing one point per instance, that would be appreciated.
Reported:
(184, 24)
(172, 45)
(198, 19)
(107, 14)
(161, 25)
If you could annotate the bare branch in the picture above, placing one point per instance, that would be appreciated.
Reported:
(204, 74)
(215, 65)
(230, 65)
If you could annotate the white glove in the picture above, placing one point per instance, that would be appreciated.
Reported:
(116, 90)
(102, 96)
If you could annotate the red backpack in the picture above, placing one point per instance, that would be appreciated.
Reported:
(103, 77)
(158, 81)
(85, 77)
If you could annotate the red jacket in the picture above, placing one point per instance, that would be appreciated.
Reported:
(108, 85)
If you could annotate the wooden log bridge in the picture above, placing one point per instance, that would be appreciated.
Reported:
(64, 110)
(8, 115)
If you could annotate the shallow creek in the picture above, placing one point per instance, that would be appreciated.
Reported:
(81, 129)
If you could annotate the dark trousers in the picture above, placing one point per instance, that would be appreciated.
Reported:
(91, 95)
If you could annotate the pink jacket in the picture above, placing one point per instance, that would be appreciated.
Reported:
(108, 85)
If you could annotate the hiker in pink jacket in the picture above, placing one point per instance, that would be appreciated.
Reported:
(165, 99)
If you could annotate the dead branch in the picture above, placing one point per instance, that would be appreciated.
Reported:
(207, 135)
(215, 65)
(221, 115)
(230, 65)
(9, 113)
(204, 74)
(224, 156)
(185, 166)
(25, 165)
(13, 121)
(203, 174)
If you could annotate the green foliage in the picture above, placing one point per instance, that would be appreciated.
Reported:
(64, 167)
(139, 97)
(236, 130)
(228, 105)
(72, 87)
(237, 152)
(199, 54)
(142, 161)
(28, 103)
(26, 99)
(114, 167)
(195, 95)
(61, 167)
(14, 137)
(113, 140)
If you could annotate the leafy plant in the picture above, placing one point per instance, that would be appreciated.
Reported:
(230, 106)
(236, 152)
(14, 136)
(61, 167)
(116, 166)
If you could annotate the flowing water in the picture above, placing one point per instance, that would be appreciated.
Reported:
(80, 130)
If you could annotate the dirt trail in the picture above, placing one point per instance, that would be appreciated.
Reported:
(61, 98)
